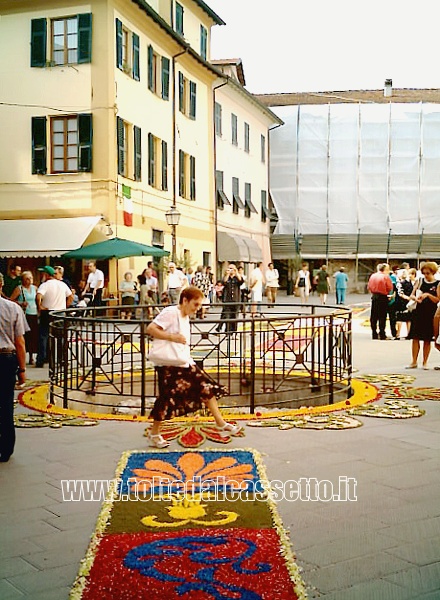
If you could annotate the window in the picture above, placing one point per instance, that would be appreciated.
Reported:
(222, 199)
(237, 203)
(203, 42)
(187, 96)
(158, 74)
(206, 259)
(157, 238)
(157, 162)
(127, 51)
(265, 214)
(179, 19)
(246, 137)
(70, 41)
(187, 176)
(248, 206)
(263, 149)
(70, 144)
(129, 139)
(218, 118)
(122, 134)
(137, 153)
(234, 129)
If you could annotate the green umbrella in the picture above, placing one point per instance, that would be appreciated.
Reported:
(115, 248)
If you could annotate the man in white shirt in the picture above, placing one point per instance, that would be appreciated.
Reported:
(52, 294)
(177, 281)
(272, 284)
(152, 283)
(95, 285)
(256, 282)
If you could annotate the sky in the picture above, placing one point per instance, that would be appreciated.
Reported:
(329, 45)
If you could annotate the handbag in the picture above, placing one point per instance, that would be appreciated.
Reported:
(302, 282)
(164, 353)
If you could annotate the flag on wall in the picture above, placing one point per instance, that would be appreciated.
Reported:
(128, 206)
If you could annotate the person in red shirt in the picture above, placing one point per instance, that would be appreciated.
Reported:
(379, 285)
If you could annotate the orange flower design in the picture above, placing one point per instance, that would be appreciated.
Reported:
(193, 472)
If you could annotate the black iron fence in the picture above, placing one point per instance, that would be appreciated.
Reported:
(284, 356)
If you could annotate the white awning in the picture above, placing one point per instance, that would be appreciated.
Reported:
(255, 252)
(44, 237)
(231, 247)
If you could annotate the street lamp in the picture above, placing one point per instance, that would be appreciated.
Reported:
(173, 217)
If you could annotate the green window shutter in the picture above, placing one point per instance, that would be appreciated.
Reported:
(120, 136)
(150, 69)
(192, 175)
(192, 99)
(85, 137)
(38, 42)
(119, 44)
(151, 160)
(137, 153)
(179, 19)
(181, 173)
(164, 165)
(39, 146)
(165, 78)
(136, 65)
(181, 92)
(203, 42)
(85, 38)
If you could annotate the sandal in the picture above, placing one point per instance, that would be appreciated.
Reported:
(158, 441)
(229, 429)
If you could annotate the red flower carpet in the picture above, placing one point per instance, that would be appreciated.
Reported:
(189, 524)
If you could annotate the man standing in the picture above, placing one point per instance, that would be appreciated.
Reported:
(52, 294)
(272, 284)
(341, 280)
(256, 282)
(11, 280)
(12, 365)
(379, 285)
(153, 284)
(177, 281)
(94, 285)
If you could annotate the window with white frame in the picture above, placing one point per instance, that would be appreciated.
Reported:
(158, 74)
(246, 137)
(187, 96)
(234, 129)
(218, 119)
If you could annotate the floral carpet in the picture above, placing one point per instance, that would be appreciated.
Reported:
(189, 524)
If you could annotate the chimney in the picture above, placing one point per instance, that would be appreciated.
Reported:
(388, 88)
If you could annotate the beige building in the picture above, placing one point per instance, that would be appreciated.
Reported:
(108, 108)
(242, 125)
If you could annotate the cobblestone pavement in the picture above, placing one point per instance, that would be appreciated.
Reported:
(383, 546)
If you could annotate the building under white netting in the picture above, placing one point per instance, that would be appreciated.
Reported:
(356, 176)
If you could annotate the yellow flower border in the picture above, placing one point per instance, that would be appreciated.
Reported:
(37, 399)
(286, 548)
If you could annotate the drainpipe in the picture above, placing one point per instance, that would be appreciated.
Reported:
(214, 89)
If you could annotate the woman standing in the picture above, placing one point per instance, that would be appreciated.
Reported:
(25, 295)
(231, 297)
(323, 283)
(186, 388)
(302, 283)
(128, 291)
(426, 293)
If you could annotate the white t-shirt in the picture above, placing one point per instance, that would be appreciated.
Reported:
(96, 280)
(170, 319)
(272, 277)
(176, 279)
(55, 293)
(256, 283)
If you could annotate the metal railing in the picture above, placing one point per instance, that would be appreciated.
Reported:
(284, 356)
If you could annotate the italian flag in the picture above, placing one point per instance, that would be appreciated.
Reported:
(128, 206)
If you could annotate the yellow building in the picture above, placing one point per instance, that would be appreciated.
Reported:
(108, 109)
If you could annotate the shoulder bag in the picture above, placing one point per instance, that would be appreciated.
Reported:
(164, 353)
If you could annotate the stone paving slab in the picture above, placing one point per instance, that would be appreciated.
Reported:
(384, 546)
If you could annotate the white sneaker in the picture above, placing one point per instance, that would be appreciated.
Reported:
(229, 429)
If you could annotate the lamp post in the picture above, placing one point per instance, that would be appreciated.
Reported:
(173, 217)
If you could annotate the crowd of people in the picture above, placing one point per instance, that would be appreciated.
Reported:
(306, 284)
(407, 295)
